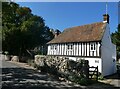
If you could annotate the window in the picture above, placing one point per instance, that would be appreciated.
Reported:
(70, 46)
(53, 47)
(96, 61)
(113, 60)
(92, 47)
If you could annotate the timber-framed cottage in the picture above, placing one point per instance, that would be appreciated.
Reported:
(90, 42)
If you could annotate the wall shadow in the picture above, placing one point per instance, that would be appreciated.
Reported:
(21, 78)
(113, 76)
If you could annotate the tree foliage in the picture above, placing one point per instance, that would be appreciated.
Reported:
(116, 39)
(22, 30)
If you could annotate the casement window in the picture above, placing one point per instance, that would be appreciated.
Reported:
(92, 47)
(70, 47)
(53, 47)
(96, 61)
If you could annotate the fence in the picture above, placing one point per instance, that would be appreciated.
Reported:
(93, 72)
(89, 72)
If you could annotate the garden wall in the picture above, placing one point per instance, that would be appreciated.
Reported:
(63, 67)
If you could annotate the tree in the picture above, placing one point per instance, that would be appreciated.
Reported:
(116, 40)
(22, 30)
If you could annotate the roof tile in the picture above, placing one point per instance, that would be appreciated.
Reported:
(85, 33)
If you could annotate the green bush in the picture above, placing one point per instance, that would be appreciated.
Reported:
(100, 78)
(118, 66)
(80, 79)
(83, 81)
(73, 78)
(39, 53)
(30, 62)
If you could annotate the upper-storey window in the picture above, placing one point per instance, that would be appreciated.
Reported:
(92, 47)
(70, 46)
(53, 47)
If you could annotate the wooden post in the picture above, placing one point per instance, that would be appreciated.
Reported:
(97, 74)
(85, 68)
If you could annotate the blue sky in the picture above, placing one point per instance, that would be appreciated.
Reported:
(61, 15)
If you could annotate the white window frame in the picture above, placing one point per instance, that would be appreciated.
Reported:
(96, 61)
(92, 46)
(69, 47)
(53, 47)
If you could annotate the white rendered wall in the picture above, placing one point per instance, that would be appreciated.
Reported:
(114, 57)
(92, 62)
(107, 54)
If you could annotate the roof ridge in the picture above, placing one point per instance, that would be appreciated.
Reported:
(84, 25)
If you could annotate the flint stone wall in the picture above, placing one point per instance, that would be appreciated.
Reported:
(15, 59)
(62, 65)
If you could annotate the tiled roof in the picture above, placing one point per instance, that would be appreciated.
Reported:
(85, 33)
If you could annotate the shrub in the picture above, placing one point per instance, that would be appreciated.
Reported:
(73, 78)
(83, 81)
(101, 78)
(30, 62)
(80, 80)
(118, 69)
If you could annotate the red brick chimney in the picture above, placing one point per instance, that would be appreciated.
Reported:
(106, 18)
(57, 32)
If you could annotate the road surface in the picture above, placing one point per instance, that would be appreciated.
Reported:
(17, 75)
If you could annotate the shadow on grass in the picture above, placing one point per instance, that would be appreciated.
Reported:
(21, 78)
